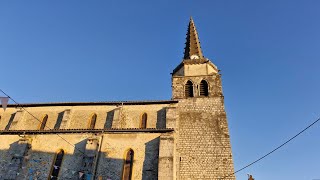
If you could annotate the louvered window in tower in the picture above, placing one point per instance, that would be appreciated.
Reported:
(204, 88)
(189, 89)
(144, 121)
(57, 165)
(43, 122)
(127, 167)
(92, 121)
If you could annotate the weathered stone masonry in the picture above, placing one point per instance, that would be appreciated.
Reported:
(184, 138)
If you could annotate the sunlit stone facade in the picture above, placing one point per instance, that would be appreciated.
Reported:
(183, 138)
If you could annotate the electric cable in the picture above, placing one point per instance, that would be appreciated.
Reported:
(41, 122)
(250, 164)
(283, 144)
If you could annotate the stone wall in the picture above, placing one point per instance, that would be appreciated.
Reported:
(41, 153)
(78, 117)
(39, 159)
(82, 152)
(199, 147)
(166, 157)
(114, 149)
(203, 149)
(203, 144)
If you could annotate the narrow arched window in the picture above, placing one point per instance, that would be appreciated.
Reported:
(127, 167)
(204, 88)
(189, 89)
(43, 122)
(57, 165)
(144, 118)
(92, 121)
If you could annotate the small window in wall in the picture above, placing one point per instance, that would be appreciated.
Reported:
(57, 165)
(127, 167)
(189, 89)
(204, 88)
(144, 118)
(92, 121)
(43, 122)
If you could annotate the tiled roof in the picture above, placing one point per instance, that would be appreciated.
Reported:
(113, 130)
(94, 103)
(192, 42)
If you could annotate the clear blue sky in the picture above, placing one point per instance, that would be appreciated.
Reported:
(268, 53)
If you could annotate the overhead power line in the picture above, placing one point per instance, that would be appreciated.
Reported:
(41, 122)
(269, 153)
(250, 164)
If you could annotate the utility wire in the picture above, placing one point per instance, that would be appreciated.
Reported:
(41, 122)
(283, 144)
(273, 149)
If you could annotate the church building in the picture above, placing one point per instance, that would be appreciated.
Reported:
(184, 138)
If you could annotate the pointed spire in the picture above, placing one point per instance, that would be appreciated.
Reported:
(192, 43)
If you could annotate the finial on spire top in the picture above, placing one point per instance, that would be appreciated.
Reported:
(193, 48)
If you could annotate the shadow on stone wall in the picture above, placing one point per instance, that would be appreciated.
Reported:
(88, 157)
(151, 159)
(10, 121)
(161, 119)
(11, 167)
(80, 148)
(21, 162)
(59, 120)
(110, 168)
(109, 120)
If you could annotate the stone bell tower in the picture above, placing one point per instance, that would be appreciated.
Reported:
(203, 149)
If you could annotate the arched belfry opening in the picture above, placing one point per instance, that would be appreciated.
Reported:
(189, 89)
(127, 167)
(144, 118)
(204, 91)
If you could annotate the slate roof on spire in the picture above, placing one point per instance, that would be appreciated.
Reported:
(193, 48)
(192, 42)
